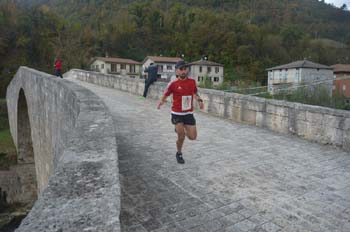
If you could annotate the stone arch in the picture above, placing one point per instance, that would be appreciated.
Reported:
(25, 153)
(25, 168)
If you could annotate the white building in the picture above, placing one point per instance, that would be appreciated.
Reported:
(204, 69)
(166, 66)
(119, 66)
(302, 73)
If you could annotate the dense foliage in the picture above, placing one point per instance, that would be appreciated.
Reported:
(247, 36)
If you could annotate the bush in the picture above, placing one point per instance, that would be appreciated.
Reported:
(319, 96)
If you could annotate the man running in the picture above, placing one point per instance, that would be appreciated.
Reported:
(184, 89)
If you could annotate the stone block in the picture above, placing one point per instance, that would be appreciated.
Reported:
(277, 110)
(249, 116)
(277, 123)
(314, 117)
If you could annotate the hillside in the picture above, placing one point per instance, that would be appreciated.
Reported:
(246, 36)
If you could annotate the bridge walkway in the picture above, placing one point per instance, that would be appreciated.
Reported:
(236, 177)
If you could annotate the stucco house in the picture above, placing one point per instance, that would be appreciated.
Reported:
(302, 73)
(119, 66)
(166, 66)
(202, 69)
(342, 79)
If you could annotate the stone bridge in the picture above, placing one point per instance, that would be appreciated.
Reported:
(104, 160)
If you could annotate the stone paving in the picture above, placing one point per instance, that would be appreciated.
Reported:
(236, 177)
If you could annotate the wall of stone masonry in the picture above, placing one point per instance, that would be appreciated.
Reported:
(314, 123)
(74, 152)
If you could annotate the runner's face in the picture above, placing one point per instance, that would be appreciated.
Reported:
(182, 72)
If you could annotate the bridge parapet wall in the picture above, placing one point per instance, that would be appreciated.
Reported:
(75, 154)
(314, 123)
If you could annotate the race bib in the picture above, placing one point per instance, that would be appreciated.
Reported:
(186, 103)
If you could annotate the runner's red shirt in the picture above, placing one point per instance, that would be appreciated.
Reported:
(183, 91)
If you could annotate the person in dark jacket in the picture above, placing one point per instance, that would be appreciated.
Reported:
(152, 71)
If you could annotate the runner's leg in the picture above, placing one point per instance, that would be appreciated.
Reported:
(191, 131)
(180, 130)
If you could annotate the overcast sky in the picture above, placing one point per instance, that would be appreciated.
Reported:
(339, 3)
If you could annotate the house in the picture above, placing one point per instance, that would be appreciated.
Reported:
(342, 79)
(204, 69)
(302, 73)
(166, 66)
(119, 66)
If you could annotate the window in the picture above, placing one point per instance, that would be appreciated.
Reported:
(160, 68)
(200, 69)
(122, 66)
(216, 69)
(216, 79)
(209, 69)
(113, 67)
(132, 68)
(102, 66)
(199, 78)
(297, 75)
(169, 67)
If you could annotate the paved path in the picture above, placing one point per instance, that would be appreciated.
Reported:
(236, 177)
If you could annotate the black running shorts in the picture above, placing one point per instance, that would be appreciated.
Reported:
(187, 119)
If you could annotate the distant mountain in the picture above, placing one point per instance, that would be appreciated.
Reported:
(246, 36)
(316, 17)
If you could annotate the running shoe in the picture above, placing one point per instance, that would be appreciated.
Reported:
(179, 158)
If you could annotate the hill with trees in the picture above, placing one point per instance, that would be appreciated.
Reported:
(247, 36)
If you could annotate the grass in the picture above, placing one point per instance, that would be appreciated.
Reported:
(317, 96)
(7, 147)
(7, 150)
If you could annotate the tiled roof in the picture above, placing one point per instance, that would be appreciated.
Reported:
(205, 62)
(300, 64)
(341, 68)
(162, 59)
(116, 60)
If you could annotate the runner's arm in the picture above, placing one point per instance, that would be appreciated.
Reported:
(161, 101)
(200, 101)
(198, 98)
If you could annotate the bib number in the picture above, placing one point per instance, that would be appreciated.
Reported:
(186, 102)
